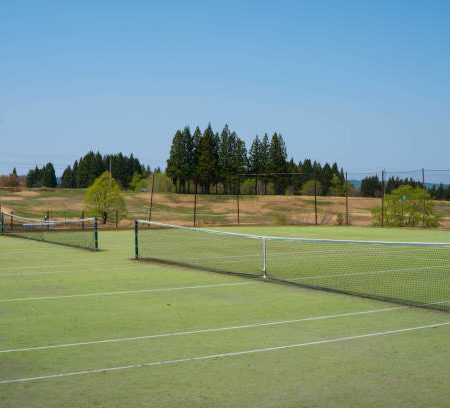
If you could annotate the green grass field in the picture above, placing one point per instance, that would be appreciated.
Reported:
(87, 329)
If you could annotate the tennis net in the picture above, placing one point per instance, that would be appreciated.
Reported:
(80, 233)
(410, 273)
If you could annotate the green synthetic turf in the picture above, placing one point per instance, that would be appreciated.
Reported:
(404, 369)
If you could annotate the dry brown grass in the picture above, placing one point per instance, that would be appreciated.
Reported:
(211, 209)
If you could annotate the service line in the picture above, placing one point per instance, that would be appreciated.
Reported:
(216, 329)
(232, 354)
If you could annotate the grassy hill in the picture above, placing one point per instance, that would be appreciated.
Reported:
(211, 209)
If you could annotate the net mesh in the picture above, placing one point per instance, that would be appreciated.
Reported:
(79, 233)
(409, 273)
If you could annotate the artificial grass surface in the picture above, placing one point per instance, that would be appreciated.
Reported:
(404, 369)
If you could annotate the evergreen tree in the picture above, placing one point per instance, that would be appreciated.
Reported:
(75, 173)
(277, 162)
(189, 157)
(226, 158)
(48, 176)
(371, 187)
(33, 178)
(326, 178)
(68, 178)
(175, 161)
(207, 160)
(255, 157)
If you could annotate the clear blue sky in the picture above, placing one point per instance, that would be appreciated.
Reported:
(363, 83)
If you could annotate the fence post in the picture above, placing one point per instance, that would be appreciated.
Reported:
(423, 198)
(82, 217)
(151, 199)
(195, 201)
(136, 241)
(315, 199)
(382, 198)
(265, 259)
(346, 199)
(117, 218)
(238, 190)
(95, 234)
(12, 220)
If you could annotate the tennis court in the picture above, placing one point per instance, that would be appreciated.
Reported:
(83, 328)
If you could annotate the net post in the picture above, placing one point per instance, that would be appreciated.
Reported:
(82, 217)
(423, 197)
(95, 234)
(2, 222)
(136, 242)
(117, 218)
(12, 220)
(265, 258)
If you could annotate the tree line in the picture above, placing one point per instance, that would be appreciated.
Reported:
(372, 187)
(221, 162)
(84, 171)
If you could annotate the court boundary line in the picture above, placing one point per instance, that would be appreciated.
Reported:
(222, 355)
(200, 331)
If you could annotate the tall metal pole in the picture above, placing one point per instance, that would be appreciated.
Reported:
(151, 198)
(382, 198)
(346, 199)
(195, 201)
(110, 173)
(423, 198)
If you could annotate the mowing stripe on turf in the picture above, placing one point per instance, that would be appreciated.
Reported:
(128, 292)
(222, 355)
(52, 266)
(2, 275)
(217, 329)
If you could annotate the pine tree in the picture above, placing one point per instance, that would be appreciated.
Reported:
(225, 158)
(371, 187)
(49, 176)
(207, 160)
(68, 178)
(175, 161)
(189, 157)
(326, 178)
(277, 162)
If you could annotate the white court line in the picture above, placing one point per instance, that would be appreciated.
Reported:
(128, 292)
(232, 354)
(218, 329)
